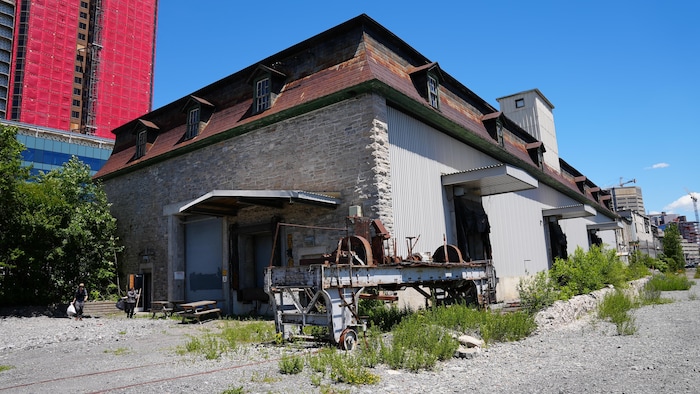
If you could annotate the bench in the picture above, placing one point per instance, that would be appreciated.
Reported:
(197, 310)
(163, 307)
(198, 315)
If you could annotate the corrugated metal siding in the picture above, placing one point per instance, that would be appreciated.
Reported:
(517, 234)
(419, 156)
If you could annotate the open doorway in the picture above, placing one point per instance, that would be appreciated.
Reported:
(473, 229)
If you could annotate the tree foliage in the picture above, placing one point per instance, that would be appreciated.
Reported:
(673, 251)
(61, 234)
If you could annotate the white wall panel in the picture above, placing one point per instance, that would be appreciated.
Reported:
(419, 156)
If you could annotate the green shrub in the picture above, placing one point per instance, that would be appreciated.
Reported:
(615, 307)
(585, 272)
(380, 314)
(342, 367)
(421, 342)
(506, 327)
(234, 390)
(670, 282)
(537, 292)
(639, 265)
(291, 365)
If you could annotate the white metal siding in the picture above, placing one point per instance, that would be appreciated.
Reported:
(419, 156)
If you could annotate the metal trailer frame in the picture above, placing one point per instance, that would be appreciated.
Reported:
(327, 295)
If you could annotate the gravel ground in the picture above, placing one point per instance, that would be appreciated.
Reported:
(571, 352)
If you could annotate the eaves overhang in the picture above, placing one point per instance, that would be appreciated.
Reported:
(229, 202)
(605, 226)
(496, 179)
(570, 211)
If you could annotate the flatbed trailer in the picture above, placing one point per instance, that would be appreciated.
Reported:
(327, 295)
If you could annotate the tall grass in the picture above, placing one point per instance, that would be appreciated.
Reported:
(670, 282)
(581, 273)
(232, 334)
(615, 307)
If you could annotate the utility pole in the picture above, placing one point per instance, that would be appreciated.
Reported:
(695, 206)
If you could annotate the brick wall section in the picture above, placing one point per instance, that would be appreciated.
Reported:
(340, 148)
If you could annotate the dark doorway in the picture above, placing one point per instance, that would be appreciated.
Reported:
(473, 229)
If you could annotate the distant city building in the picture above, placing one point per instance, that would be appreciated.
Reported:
(7, 23)
(639, 233)
(691, 252)
(687, 229)
(628, 198)
(81, 66)
(48, 149)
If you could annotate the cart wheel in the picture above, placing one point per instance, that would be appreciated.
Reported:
(348, 339)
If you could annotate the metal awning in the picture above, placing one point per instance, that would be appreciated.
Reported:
(605, 226)
(570, 211)
(496, 179)
(229, 202)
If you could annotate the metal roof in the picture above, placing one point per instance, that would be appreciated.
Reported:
(228, 202)
(605, 226)
(570, 211)
(496, 179)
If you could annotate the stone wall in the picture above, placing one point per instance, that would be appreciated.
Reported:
(340, 148)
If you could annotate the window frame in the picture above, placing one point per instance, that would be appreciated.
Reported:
(141, 141)
(263, 100)
(520, 103)
(194, 118)
(499, 133)
(433, 86)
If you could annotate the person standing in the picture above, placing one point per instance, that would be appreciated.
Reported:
(130, 304)
(79, 301)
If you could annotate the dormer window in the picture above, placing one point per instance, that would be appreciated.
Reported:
(536, 152)
(426, 79)
(262, 94)
(493, 123)
(267, 84)
(146, 133)
(192, 123)
(141, 139)
(198, 112)
(433, 92)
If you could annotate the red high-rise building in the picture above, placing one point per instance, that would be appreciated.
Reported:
(82, 65)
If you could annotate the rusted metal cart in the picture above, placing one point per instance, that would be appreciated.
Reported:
(327, 294)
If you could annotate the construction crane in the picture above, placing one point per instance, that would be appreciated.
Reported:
(695, 205)
(622, 184)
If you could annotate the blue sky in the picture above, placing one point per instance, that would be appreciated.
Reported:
(622, 75)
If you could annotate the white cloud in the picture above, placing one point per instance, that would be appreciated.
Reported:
(684, 203)
(658, 165)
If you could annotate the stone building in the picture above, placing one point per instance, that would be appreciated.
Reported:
(350, 121)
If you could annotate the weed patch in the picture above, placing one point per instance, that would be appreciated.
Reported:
(291, 365)
(670, 282)
(5, 367)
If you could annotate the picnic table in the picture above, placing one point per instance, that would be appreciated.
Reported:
(164, 307)
(195, 310)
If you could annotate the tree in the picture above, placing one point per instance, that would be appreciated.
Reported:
(673, 251)
(64, 235)
(12, 176)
